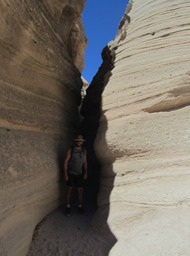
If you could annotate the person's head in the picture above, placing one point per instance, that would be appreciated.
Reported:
(79, 140)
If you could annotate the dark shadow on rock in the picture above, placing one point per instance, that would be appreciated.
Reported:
(71, 120)
(91, 111)
(60, 160)
(106, 186)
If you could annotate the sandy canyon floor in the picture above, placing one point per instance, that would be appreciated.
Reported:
(59, 235)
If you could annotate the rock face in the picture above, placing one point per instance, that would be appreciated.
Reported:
(143, 140)
(41, 47)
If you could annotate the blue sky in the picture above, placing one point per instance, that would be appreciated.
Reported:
(100, 19)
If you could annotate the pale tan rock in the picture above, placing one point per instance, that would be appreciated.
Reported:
(40, 85)
(84, 87)
(143, 142)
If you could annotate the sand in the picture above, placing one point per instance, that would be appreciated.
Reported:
(59, 235)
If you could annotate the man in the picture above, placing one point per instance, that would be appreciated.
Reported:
(75, 172)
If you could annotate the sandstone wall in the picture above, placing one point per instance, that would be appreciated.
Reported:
(143, 141)
(41, 47)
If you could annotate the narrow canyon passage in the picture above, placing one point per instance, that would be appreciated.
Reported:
(78, 234)
(59, 235)
(135, 120)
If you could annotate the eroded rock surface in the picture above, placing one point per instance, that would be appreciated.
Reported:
(41, 47)
(143, 141)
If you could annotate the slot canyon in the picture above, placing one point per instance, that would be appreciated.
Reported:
(135, 119)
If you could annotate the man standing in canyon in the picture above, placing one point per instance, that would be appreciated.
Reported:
(75, 172)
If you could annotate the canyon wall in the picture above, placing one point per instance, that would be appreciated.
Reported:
(42, 44)
(143, 139)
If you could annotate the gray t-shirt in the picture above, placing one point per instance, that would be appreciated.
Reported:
(76, 161)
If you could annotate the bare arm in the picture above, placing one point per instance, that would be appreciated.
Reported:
(67, 157)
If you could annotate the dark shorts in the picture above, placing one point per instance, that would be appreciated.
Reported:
(75, 180)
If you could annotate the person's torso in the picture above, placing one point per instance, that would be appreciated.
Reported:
(76, 161)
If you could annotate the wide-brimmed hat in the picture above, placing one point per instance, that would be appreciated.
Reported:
(79, 138)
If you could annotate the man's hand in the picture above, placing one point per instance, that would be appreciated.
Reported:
(85, 176)
(66, 177)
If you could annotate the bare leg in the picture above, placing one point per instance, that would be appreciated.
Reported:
(80, 195)
(68, 196)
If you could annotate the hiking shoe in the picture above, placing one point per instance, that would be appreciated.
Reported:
(68, 211)
(80, 209)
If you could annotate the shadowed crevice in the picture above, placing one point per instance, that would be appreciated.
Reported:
(91, 111)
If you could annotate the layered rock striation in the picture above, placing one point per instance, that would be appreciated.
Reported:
(41, 46)
(143, 139)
